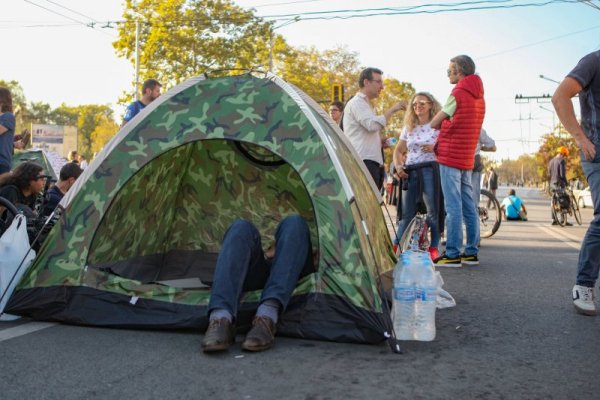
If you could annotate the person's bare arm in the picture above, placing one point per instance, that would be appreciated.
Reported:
(3, 129)
(561, 100)
(436, 121)
(401, 105)
(399, 151)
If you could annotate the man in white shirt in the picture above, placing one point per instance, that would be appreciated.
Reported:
(362, 126)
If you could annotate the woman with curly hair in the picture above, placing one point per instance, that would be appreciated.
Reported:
(7, 130)
(421, 169)
(23, 184)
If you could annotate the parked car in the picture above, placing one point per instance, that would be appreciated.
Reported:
(584, 198)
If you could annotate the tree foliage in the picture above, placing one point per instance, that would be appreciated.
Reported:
(183, 38)
(547, 150)
(102, 133)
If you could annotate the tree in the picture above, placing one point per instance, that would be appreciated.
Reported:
(182, 38)
(316, 71)
(103, 132)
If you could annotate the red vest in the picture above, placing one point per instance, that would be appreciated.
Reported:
(460, 133)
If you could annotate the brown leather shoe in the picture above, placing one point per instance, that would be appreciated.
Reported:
(261, 336)
(219, 335)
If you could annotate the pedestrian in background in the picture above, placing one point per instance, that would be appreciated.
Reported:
(150, 92)
(460, 120)
(336, 108)
(584, 80)
(7, 130)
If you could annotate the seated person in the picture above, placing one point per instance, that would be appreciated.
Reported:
(66, 178)
(243, 266)
(514, 209)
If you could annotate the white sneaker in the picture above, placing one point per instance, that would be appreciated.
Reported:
(583, 300)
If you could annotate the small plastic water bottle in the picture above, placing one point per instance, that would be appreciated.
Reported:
(391, 141)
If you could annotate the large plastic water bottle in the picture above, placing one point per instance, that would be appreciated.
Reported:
(415, 291)
(425, 305)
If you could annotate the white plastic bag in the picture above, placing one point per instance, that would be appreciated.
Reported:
(444, 299)
(15, 257)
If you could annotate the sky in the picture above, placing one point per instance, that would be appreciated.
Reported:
(60, 59)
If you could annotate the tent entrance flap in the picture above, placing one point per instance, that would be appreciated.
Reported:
(167, 222)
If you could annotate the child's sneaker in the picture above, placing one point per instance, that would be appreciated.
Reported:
(434, 253)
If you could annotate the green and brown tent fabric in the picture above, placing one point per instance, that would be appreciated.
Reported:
(137, 241)
(49, 161)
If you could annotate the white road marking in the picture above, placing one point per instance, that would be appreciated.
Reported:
(24, 329)
(568, 239)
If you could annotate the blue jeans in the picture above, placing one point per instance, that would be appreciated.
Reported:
(476, 183)
(409, 203)
(241, 264)
(589, 255)
(458, 201)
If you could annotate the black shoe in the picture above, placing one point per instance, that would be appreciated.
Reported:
(261, 336)
(554, 223)
(445, 261)
(568, 224)
(469, 260)
(219, 335)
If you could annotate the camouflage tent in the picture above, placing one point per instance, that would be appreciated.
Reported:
(138, 238)
(51, 162)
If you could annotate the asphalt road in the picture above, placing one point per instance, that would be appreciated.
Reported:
(513, 335)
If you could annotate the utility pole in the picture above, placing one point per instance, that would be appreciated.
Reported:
(137, 58)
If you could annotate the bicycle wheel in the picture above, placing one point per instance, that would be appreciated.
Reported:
(559, 215)
(575, 210)
(490, 214)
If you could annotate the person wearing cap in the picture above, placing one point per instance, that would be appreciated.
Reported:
(584, 80)
(557, 170)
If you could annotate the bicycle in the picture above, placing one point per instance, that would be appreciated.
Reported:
(490, 214)
(563, 203)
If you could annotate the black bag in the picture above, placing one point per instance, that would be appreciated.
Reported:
(478, 166)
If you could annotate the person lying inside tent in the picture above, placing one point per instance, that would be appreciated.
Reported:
(513, 207)
(66, 178)
(243, 266)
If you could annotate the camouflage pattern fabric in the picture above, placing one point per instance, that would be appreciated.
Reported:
(177, 180)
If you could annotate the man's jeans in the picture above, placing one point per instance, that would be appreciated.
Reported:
(409, 203)
(458, 201)
(589, 255)
(476, 184)
(241, 265)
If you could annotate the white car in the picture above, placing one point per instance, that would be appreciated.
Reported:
(584, 198)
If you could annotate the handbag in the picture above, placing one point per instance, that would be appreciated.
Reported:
(15, 257)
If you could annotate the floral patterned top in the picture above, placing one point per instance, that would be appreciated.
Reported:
(420, 135)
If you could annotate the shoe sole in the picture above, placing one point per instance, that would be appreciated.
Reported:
(590, 313)
(449, 265)
(470, 262)
(256, 348)
(216, 347)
